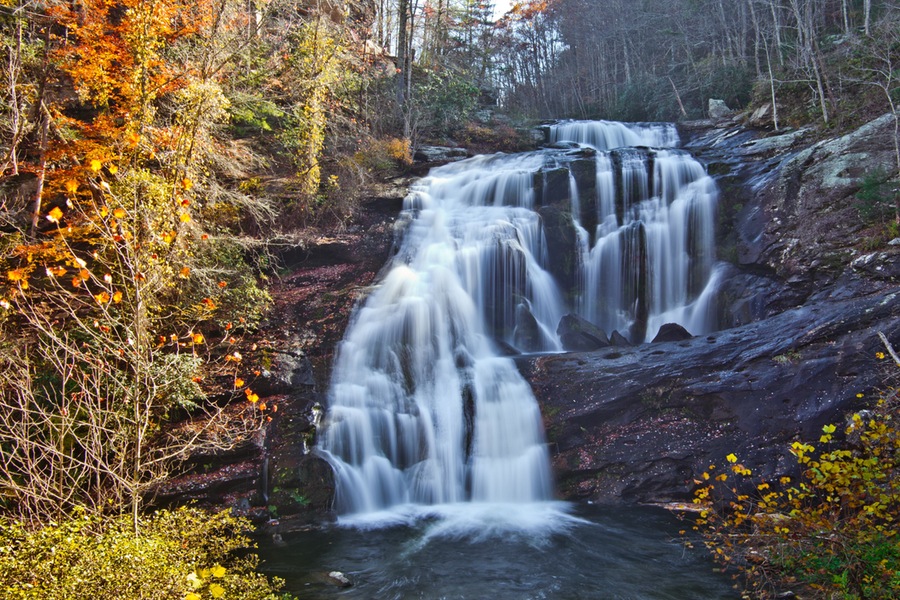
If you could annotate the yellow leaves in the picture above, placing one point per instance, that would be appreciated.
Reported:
(169, 237)
(238, 382)
(194, 581)
(829, 428)
(253, 398)
(880, 355)
(119, 213)
(184, 217)
(218, 571)
(216, 590)
(197, 338)
(96, 165)
(117, 297)
(705, 476)
(113, 169)
(192, 596)
(741, 470)
(102, 298)
(732, 458)
(71, 186)
(187, 183)
(54, 215)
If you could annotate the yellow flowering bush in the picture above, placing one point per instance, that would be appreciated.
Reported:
(832, 531)
(181, 554)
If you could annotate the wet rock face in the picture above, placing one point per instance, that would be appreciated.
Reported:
(788, 211)
(635, 424)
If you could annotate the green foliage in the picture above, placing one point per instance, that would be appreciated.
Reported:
(185, 553)
(251, 114)
(833, 530)
(877, 195)
(443, 99)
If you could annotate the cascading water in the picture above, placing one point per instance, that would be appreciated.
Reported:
(425, 408)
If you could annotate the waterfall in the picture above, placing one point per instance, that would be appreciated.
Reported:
(425, 406)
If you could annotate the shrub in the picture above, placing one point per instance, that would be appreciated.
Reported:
(184, 553)
(877, 196)
(833, 530)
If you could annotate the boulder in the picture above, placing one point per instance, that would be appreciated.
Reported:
(439, 154)
(617, 339)
(671, 332)
(717, 109)
(528, 336)
(578, 334)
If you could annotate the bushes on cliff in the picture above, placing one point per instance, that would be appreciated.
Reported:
(832, 530)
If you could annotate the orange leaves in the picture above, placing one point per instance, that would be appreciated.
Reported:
(197, 338)
(17, 275)
(185, 272)
(55, 215)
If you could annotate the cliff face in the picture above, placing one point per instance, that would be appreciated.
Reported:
(800, 308)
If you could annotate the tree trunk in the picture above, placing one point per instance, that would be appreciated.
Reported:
(402, 46)
(42, 169)
(867, 15)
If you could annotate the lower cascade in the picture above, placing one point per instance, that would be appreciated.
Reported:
(611, 227)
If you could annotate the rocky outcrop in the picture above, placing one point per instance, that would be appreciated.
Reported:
(637, 424)
(439, 154)
(789, 221)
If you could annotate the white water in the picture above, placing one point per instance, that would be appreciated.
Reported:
(424, 410)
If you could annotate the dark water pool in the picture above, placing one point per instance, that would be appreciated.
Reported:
(498, 553)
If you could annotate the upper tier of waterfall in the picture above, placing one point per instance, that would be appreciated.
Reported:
(424, 406)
